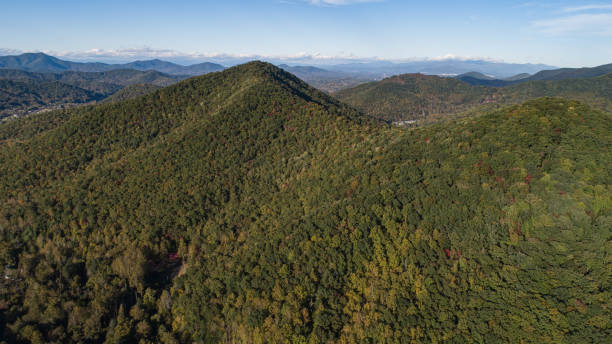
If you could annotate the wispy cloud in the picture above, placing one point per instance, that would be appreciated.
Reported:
(588, 23)
(148, 52)
(587, 8)
(453, 57)
(145, 53)
(6, 51)
(594, 19)
(339, 2)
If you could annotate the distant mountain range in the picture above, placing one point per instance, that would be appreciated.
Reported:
(333, 78)
(421, 95)
(448, 67)
(476, 78)
(361, 69)
(327, 80)
(42, 63)
(572, 73)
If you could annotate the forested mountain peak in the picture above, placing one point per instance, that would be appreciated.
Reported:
(257, 99)
(265, 79)
(33, 58)
(245, 206)
(266, 70)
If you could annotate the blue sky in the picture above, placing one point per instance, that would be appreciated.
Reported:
(561, 33)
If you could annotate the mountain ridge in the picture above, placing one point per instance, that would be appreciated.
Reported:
(40, 62)
(543, 75)
(417, 96)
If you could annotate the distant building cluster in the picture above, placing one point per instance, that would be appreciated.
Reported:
(407, 123)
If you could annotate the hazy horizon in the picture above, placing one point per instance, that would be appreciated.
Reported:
(555, 33)
(229, 60)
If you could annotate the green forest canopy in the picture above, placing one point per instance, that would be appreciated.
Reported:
(429, 98)
(22, 92)
(246, 207)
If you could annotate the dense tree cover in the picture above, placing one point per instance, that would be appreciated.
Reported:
(596, 92)
(415, 96)
(247, 207)
(95, 81)
(22, 92)
(572, 73)
(18, 97)
(131, 91)
(476, 78)
(420, 97)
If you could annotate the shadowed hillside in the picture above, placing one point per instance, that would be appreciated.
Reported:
(25, 92)
(19, 97)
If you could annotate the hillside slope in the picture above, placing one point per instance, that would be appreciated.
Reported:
(544, 75)
(131, 91)
(102, 82)
(20, 97)
(415, 96)
(572, 73)
(245, 206)
(596, 92)
(475, 75)
(28, 91)
(420, 97)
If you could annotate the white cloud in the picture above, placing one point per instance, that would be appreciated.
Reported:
(120, 53)
(453, 57)
(5, 51)
(148, 52)
(587, 8)
(145, 53)
(592, 24)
